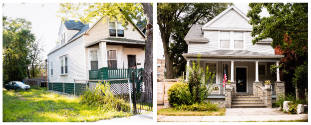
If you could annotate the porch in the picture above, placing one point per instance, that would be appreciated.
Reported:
(247, 72)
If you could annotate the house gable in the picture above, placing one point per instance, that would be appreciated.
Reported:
(100, 30)
(230, 19)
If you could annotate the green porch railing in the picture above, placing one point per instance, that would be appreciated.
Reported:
(108, 74)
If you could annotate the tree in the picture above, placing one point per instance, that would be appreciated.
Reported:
(121, 12)
(175, 20)
(17, 37)
(287, 25)
(35, 60)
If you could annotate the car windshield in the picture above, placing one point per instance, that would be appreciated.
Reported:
(19, 83)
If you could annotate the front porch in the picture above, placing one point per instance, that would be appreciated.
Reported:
(247, 74)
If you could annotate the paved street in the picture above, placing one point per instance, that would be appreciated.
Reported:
(239, 114)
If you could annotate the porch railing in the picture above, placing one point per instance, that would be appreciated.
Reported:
(107, 74)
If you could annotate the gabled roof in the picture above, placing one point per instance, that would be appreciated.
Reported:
(195, 34)
(135, 26)
(223, 13)
(76, 25)
(118, 40)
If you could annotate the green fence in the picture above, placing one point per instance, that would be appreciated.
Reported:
(68, 88)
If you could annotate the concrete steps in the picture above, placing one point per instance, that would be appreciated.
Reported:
(247, 101)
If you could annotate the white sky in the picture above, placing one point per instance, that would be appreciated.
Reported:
(43, 17)
(45, 23)
(160, 53)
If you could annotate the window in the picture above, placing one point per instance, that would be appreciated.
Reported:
(112, 59)
(112, 29)
(116, 29)
(224, 39)
(51, 68)
(64, 65)
(120, 30)
(212, 70)
(94, 60)
(238, 40)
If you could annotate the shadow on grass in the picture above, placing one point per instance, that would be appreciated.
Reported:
(42, 106)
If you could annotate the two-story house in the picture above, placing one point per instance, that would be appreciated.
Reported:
(103, 51)
(224, 44)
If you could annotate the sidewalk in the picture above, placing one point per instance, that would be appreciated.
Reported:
(239, 115)
(144, 117)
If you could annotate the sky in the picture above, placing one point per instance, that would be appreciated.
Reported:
(45, 23)
(160, 52)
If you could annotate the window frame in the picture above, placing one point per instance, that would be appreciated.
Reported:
(231, 40)
(92, 51)
(64, 65)
(216, 70)
(116, 59)
(116, 29)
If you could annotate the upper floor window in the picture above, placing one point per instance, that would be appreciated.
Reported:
(238, 40)
(112, 59)
(224, 39)
(64, 65)
(232, 40)
(116, 29)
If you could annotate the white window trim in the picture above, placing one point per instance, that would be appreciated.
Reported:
(116, 56)
(90, 56)
(231, 43)
(63, 58)
(116, 26)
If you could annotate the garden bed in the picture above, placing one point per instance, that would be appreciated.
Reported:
(174, 112)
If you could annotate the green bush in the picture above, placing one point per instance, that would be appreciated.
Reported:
(179, 94)
(198, 107)
(103, 98)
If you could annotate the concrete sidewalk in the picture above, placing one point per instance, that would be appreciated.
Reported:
(144, 117)
(239, 115)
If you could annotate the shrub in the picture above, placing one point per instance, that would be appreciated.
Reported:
(103, 98)
(179, 94)
(198, 107)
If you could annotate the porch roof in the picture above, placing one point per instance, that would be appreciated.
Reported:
(118, 41)
(232, 54)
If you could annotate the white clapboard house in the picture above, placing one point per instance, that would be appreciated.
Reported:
(103, 51)
(224, 44)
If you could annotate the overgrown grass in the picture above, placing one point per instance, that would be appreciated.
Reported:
(175, 112)
(39, 105)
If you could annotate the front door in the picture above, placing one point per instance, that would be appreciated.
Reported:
(131, 61)
(240, 79)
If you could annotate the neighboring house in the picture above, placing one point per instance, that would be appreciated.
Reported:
(224, 44)
(103, 51)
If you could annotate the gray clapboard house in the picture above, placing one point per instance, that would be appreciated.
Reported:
(224, 44)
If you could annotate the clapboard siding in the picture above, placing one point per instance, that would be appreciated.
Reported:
(75, 53)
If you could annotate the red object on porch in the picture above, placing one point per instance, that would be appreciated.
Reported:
(224, 81)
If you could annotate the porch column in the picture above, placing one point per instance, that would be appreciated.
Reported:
(187, 69)
(256, 80)
(277, 72)
(232, 71)
(103, 53)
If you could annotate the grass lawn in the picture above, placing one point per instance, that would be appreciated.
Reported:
(39, 105)
(173, 112)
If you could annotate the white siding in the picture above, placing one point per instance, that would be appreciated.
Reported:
(75, 52)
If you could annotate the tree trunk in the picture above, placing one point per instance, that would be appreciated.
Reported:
(148, 79)
(169, 74)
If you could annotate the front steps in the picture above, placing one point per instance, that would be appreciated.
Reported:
(247, 101)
